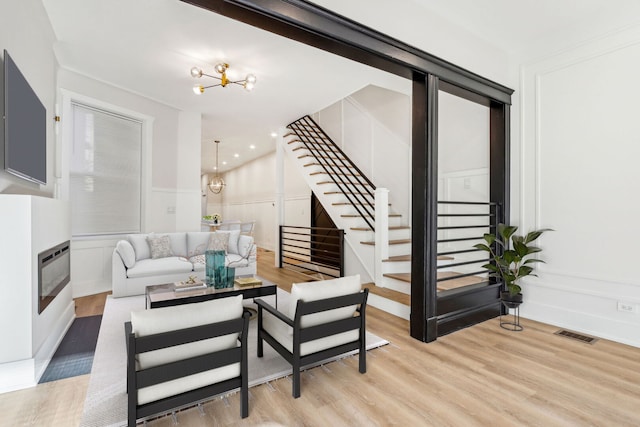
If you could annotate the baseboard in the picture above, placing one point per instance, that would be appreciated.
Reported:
(579, 321)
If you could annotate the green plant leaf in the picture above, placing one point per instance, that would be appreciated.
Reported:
(533, 250)
(524, 270)
(491, 267)
(521, 249)
(505, 231)
(510, 256)
(482, 246)
(532, 260)
(533, 235)
(489, 238)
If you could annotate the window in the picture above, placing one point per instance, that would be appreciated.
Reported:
(105, 172)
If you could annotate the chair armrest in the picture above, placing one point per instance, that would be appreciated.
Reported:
(271, 309)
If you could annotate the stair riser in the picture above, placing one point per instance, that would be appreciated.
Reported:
(405, 266)
(392, 307)
(396, 285)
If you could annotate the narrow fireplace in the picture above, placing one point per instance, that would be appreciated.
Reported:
(54, 267)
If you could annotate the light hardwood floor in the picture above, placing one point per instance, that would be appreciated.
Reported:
(480, 376)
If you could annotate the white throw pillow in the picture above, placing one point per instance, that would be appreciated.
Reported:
(140, 245)
(127, 253)
(197, 242)
(245, 244)
(313, 291)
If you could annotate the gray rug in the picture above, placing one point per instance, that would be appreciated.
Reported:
(106, 400)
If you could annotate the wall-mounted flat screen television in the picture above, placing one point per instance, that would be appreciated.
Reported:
(25, 127)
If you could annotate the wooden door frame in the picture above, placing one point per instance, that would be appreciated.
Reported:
(319, 27)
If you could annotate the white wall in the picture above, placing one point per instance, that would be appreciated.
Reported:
(30, 225)
(250, 194)
(578, 174)
(380, 148)
(25, 32)
(171, 172)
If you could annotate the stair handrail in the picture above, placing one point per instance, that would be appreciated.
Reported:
(308, 133)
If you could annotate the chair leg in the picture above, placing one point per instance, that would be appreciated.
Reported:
(296, 379)
(362, 359)
(244, 401)
(260, 345)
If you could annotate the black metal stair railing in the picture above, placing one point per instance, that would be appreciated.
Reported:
(356, 187)
(315, 251)
(464, 225)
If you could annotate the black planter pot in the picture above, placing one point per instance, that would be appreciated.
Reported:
(510, 301)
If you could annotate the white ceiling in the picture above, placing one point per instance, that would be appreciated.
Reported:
(150, 49)
(149, 46)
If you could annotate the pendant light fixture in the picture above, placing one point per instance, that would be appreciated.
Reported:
(216, 184)
(248, 82)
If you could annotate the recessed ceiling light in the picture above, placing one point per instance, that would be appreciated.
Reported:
(224, 163)
(274, 134)
(236, 155)
(252, 147)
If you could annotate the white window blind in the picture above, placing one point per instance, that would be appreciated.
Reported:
(105, 172)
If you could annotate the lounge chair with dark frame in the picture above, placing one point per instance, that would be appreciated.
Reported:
(325, 319)
(185, 354)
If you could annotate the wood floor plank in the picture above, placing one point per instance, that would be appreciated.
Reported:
(478, 376)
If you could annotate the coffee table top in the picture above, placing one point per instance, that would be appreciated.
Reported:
(165, 294)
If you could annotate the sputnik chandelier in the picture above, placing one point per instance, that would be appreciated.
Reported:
(217, 183)
(248, 83)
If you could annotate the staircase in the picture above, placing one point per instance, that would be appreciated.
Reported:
(372, 229)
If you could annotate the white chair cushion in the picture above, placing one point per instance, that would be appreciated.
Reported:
(126, 252)
(284, 335)
(159, 266)
(140, 245)
(312, 291)
(150, 322)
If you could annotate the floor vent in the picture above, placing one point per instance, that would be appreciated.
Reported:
(576, 336)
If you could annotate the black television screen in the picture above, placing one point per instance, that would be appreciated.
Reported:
(25, 127)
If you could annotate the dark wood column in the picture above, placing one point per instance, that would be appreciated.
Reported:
(499, 155)
(424, 196)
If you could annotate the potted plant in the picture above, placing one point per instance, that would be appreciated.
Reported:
(513, 262)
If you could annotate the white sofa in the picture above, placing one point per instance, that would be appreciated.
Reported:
(133, 267)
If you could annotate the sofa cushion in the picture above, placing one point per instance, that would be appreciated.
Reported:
(157, 267)
(140, 245)
(126, 252)
(197, 242)
(233, 240)
(232, 260)
(312, 291)
(159, 246)
(178, 244)
(150, 322)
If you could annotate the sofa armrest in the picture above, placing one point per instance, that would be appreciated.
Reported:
(118, 275)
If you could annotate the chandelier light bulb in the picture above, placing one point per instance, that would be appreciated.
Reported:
(221, 68)
(196, 72)
(198, 89)
(251, 78)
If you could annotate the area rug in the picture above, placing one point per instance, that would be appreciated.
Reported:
(74, 355)
(106, 400)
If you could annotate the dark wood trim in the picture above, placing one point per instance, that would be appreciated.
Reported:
(313, 25)
(419, 179)
(324, 29)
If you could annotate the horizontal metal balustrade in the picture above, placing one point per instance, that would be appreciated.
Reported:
(315, 251)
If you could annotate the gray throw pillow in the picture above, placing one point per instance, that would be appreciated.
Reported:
(160, 247)
(218, 242)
